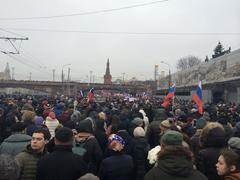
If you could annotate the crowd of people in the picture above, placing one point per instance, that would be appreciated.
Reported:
(60, 138)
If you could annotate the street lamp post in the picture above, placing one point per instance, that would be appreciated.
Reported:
(62, 70)
(63, 76)
(169, 73)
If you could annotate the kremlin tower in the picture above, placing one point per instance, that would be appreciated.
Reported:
(107, 76)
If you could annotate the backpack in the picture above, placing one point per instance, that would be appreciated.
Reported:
(79, 148)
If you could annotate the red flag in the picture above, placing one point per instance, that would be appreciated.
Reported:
(90, 95)
(166, 103)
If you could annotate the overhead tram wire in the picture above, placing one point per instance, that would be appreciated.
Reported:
(13, 33)
(22, 61)
(130, 33)
(86, 13)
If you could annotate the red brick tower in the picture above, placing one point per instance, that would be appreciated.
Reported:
(107, 76)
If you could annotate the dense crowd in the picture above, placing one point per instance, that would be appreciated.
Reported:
(60, 138)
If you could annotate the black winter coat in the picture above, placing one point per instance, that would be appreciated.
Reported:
(118, 166)
(61, 164)
(93, 156)
(206, 162)
(172, 167)
(140, 153)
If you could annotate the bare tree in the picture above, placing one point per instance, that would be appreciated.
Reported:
(187, 62)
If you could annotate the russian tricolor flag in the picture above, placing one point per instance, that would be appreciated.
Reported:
(171, 92)
(170, 95)
(197, 97)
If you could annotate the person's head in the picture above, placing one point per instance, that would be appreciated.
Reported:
(138, 132)
(228, 162)
(39, 139)
(18, 127)
(28, 116)
(116, 143)
(165, 125)
(171, 138)
(64, 136)
(52, 115)
(89, 176)
(213, 135)
(9, 168)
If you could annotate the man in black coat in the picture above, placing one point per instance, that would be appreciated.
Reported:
(174, 161)
(61, 164)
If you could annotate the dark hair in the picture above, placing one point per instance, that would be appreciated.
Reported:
(44, 131)
(231, 158)
(64, 135)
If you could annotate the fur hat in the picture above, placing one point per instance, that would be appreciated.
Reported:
(172, 138)
(139, 132)
(166, 124)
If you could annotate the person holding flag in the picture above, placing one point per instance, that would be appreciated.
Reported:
(90, 95)
(170, 95)
(197, 98)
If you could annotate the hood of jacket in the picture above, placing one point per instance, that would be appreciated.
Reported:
(34, 152)
(18, 138)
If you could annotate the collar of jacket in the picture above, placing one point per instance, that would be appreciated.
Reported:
(34, 152)
(63, 148)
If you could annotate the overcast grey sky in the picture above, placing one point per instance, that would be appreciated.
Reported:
(134, 39)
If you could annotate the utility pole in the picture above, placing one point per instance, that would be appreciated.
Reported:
(11, 40)
(69, 74)
(68, 83)
(94, 78)
(53, 74)
(12, 73)
(30, 76)
(90, 80)
(123, 74)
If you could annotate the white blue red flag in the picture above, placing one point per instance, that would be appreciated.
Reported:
(81, 94)
(170, 95)
(197, 97)
(171, 91)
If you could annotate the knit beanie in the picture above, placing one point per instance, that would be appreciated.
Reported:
(200, 123)
(172, 138)
(139, 132)
(137, 121)
(234, 143)
(116, 138)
